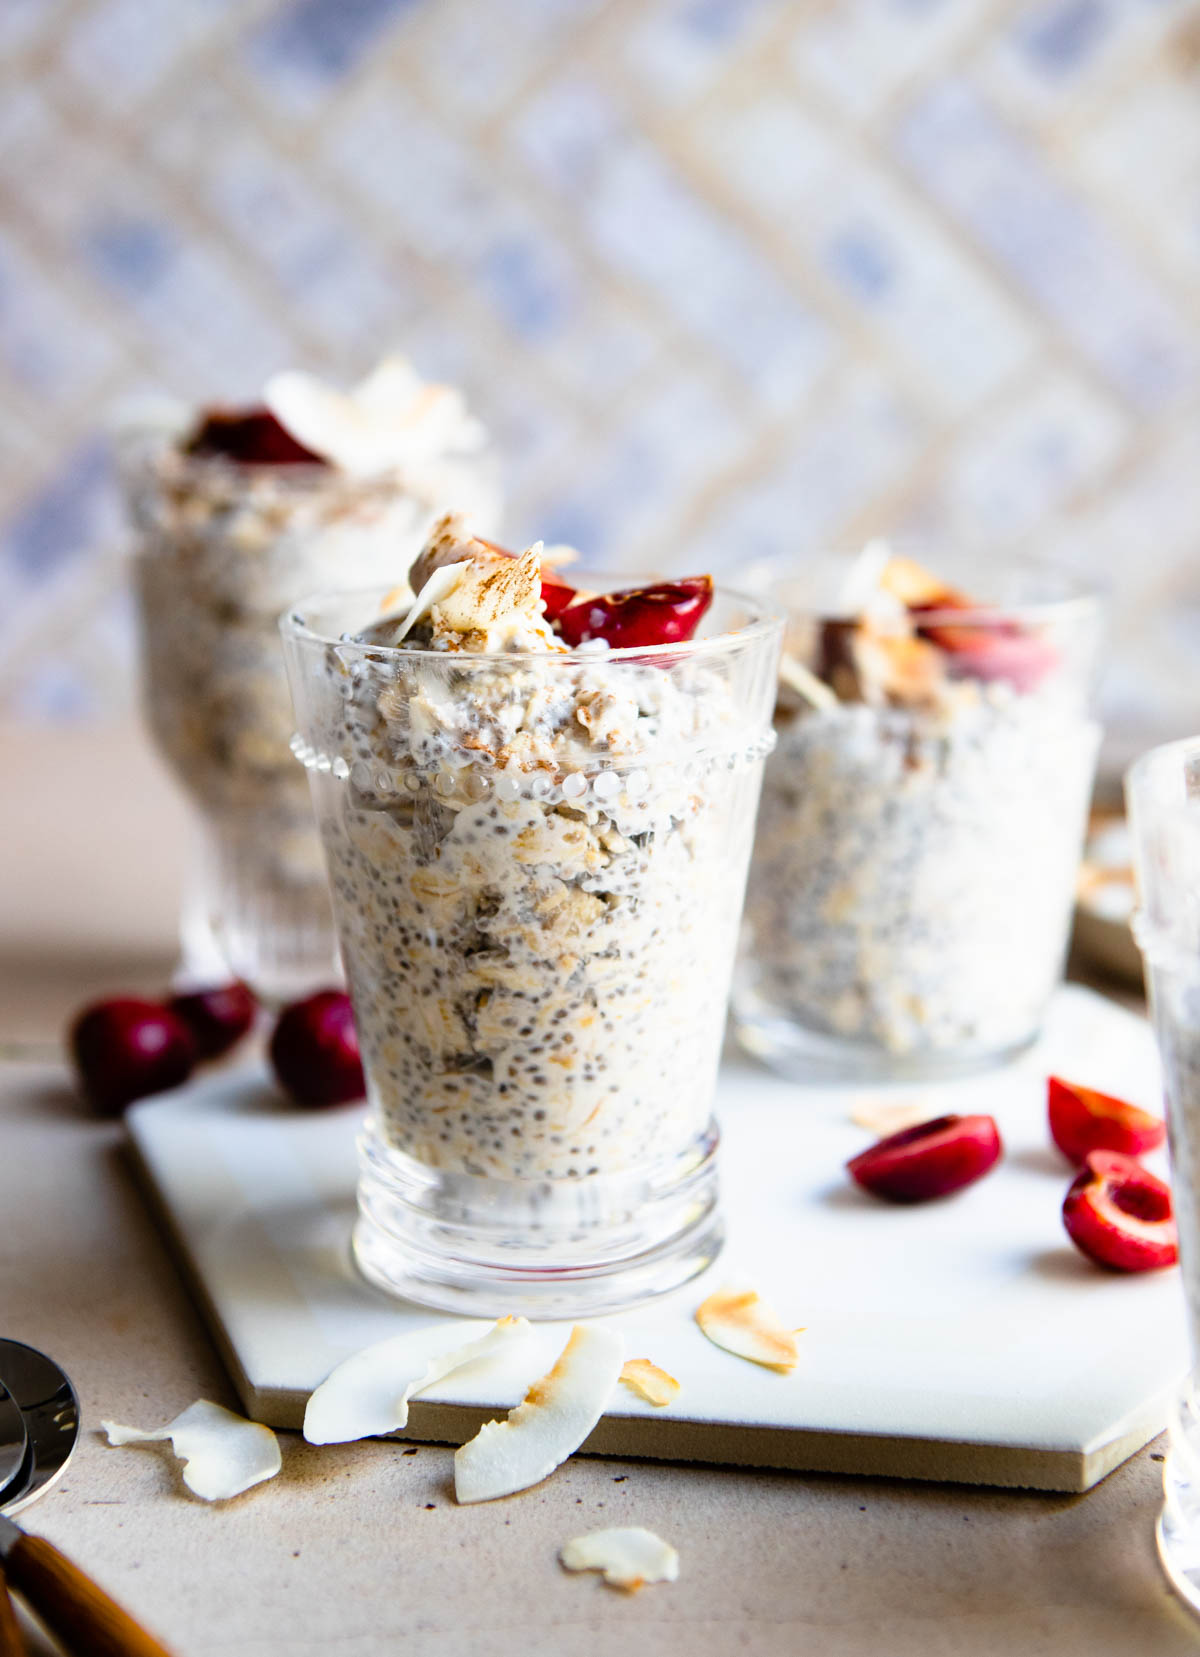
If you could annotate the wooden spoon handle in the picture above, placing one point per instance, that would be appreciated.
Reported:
(83, 1617)
(11, 1643)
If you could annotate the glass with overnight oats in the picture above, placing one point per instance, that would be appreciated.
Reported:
(537, 805)
(910, 895)
(238, 514)
(1163, 795)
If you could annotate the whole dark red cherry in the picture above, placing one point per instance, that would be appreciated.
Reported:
(126, 1048)
(668, 613)
(252, 437)
(314, 1051)
(218, 1018)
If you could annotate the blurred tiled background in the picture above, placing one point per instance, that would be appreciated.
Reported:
(724, 276)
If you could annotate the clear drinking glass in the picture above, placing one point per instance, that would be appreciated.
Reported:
(1163, 795)
(537, 863)
(911, 889)
(224, 548)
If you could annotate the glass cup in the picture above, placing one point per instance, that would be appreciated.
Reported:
(911, 890)
(224, 548)
(537, 863)
(1163, 795)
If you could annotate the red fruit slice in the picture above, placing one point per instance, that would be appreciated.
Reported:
(668, 613)
(314, 1051)
(217, 1018)
(126, 1048)
(1002, 652)
(556, 595)
(252, 437)
(1119, 1215)
(1082, 1120)
(930, 1160)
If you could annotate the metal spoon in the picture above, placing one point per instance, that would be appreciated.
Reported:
(86, 1621)
(14, 1443)
(15, 1463)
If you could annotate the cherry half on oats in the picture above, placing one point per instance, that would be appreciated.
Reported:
(666, 613)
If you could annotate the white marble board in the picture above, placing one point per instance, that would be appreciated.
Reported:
(963, 1339)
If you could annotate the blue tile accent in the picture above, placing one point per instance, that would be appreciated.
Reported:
(861, 262)
(134, 255)
(1061, 38)
(60, 523)
(524, 288)
(322, 40)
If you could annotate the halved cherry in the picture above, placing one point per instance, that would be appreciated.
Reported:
(252, 437)
(999, 651)
(929, 1160)
(556, 595)
(1120, 1215)
(668, 613)
(1083, 1120)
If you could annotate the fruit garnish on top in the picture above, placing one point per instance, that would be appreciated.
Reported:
(896, 640)
(251, 437)
(476, 596)
(391, 421)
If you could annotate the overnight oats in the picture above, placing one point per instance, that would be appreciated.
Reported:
(910, 895)
(239, 513)
(537, 804)
(1163, 794)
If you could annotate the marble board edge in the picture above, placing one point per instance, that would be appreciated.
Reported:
(1069, 1470)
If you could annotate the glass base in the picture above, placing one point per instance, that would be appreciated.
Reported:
(1178, 1528)
(258, 903)
(803, 1054)
(543, 1248)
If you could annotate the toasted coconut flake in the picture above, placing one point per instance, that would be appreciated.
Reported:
(742, 1323)
(390, 419)
(552, 1421)
(649, 1382)
(439, 587)
(368, 1393)
(628, 1557)
(805, 683)
(222, 1453)
(884, 1116)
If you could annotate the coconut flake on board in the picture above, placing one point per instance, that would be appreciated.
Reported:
(222, 1453)
(551, 1422)
(742, 1323)
(649, 1382)
(628, 1557)
(368, 1393)
(887, 1116)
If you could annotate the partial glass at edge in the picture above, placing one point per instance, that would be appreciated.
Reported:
(911, 889)
(1163, 796)
(538, 954)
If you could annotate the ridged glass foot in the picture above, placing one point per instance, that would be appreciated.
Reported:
(546, 1249)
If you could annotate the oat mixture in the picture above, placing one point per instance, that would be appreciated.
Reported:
(920, 827)
(537, 863)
